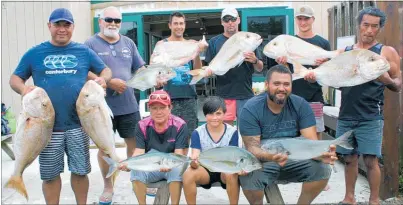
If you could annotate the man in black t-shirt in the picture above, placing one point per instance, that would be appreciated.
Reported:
(236, 85)
(311, 92)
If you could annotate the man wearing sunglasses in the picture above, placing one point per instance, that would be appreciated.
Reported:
(236, 85)
(60, 66)
(164, 132)
(121, 55)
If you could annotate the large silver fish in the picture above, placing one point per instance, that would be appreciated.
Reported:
(301, 148)
(33, 133)
(350, 68)
(229, 159)
(176, 53)
(95, 117)
(150, 161)
(296, 49)
(147, 78)
(230, 55)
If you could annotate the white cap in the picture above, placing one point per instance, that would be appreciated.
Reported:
(229, 11)
(304, 10)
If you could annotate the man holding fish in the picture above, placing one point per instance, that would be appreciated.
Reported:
(235, 86)
(121, 55)
(362, 106)
(61, 67)
(163, 132)
(279, 114)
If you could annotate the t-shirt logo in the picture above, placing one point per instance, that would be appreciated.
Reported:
(60, 61)
(182, 77)
(126, 52)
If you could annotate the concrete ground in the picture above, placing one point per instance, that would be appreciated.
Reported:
(124, 194)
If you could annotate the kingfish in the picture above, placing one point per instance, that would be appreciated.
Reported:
(33, 133)
(229, 160)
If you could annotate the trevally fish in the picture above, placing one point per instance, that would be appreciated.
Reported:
(301, 148)
(96, 117)
(230, 55)
(229, 159)
(296, 49)
(33, 133)
(147, 78)
(150, 161)
(176, 53)
(350, 68)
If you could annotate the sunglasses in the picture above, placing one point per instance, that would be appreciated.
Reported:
(110, 20)
(160, 96)
(227, 19)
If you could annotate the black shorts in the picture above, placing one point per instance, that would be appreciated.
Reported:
(214, 177)
(126, 124)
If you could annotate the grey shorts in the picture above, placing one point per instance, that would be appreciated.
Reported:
(126, 124)
(186, 109)
(151, 177)
(76, 145)
(293, 171)
(367, 137)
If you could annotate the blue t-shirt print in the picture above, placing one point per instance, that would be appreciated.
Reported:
(61, 62)
(182, 77)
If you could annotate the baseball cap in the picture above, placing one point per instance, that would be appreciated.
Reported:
(61, 14)
(304, 10)
(159, 96)
(229, 11)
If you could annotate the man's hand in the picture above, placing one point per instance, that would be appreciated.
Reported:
(319, 61)
(385, 78)
(123, 167)
(282, 60)
(160, 83)
(242, 173)
(310, 77)
(194, 164)
(250, 57)
(281, 159)
(101, 81)
(165, 169)
(118, 85)
(27, 89)
(329, 157)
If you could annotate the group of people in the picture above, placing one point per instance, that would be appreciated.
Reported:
(286, 109)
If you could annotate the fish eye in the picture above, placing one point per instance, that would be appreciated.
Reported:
(247, 36)
(371, 58)
(87, 95)
(275, 43)
(43, 104)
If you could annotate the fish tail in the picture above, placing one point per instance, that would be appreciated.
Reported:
(299, 70)
(185, 166)
(197, 74)
(342, 141)
(113, 167)
(17, 183)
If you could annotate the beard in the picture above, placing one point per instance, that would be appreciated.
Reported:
(111, 32)
(276, 100)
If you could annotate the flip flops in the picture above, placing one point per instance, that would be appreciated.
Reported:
(151, 192)
(108, 196)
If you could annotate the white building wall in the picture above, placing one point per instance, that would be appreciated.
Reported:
(24, 25)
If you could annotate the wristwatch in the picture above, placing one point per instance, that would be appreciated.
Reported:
(257, 60)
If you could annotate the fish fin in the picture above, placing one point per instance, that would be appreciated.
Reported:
(342, 141)
(299, 70)
(113, 166)
(17, 183)
(110, 113)
(197, 74)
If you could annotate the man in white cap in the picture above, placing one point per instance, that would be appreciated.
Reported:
(235, 87)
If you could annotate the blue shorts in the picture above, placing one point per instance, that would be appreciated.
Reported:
(76, 145)
(293, 171)
(156, 176)
(367, 137)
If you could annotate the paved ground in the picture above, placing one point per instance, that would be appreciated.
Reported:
(124, 194)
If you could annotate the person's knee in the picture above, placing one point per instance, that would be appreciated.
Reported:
(371, 161)
(351, 159)
(189, 176)
(253, 196)
(79, 176)
(231, 177)
(51, 180)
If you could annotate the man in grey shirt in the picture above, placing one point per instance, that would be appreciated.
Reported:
(121, 55)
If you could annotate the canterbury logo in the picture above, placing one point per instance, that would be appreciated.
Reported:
(60, 61)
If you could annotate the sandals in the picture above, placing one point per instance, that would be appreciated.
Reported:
(108, 196)
(151, 192)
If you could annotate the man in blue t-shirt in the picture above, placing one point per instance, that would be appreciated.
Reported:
(275, 114)
(60, 66)
(121, 55)
(235, 86)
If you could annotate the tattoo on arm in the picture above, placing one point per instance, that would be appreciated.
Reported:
(252, 144)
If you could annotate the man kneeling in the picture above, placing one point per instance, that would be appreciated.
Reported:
(215, 133)
(274, 114)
